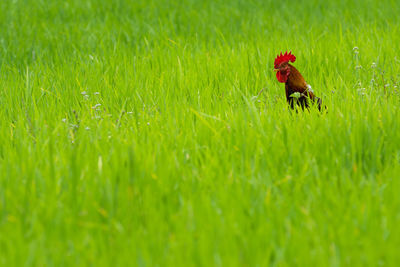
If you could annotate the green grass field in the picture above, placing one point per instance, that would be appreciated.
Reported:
(155, 133)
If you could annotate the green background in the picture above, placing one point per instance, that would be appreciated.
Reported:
(155, 133)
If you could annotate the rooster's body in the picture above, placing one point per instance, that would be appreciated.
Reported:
(297, 90)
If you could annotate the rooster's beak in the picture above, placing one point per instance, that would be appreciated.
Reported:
(276, 70)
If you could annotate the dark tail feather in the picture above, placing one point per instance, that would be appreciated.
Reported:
(304, 102)
(319, 104)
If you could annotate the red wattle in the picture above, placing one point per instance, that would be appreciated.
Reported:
(282, 78)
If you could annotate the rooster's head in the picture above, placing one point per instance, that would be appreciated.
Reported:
(281, 65)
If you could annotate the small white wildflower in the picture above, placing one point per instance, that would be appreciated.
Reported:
(358, 67)
(387, 85)
(64, 120)
(373, 65)
(395, 87)
(361, 91)
(129, 112)
(96, 93)
(148, 123)
(83, 93)
(96, 106)
(87, 128)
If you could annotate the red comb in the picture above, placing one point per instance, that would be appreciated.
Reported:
(284, 58)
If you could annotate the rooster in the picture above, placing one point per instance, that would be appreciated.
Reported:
(297, 90)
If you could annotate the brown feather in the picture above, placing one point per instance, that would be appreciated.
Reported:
(296, 83)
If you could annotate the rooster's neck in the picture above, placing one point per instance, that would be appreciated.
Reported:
(295, 80)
